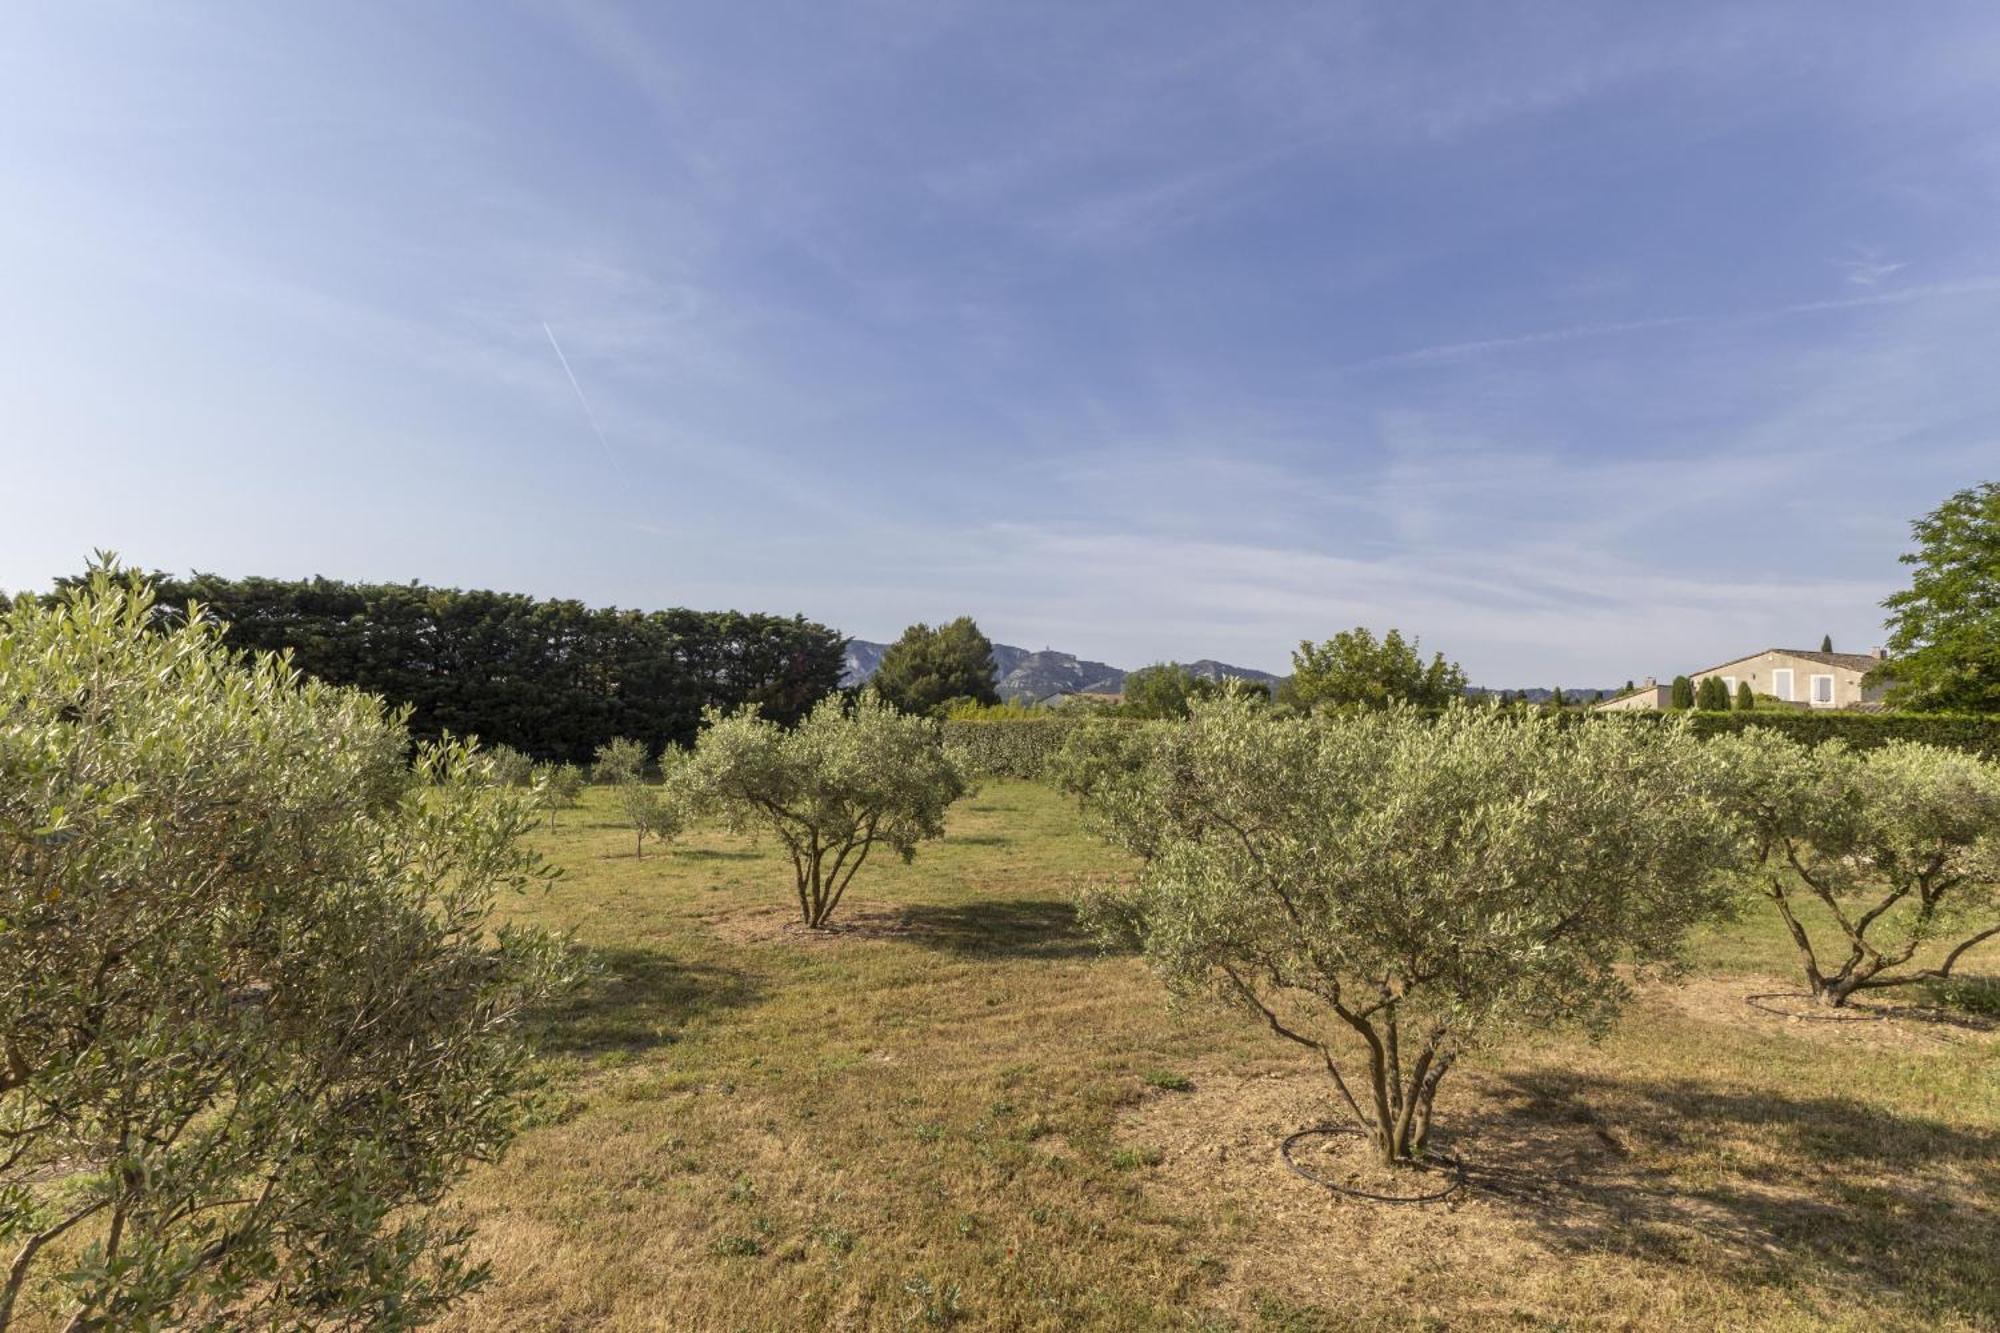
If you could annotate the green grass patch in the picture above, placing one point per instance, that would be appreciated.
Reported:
(944, 1121)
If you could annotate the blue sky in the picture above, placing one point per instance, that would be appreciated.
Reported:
(1586, 342)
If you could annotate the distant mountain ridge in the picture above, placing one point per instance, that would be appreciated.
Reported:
(1029, 676)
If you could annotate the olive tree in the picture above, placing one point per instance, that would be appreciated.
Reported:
(620, 759)
(509, 766)
(1896, 848)
(1388, 891)
(561, 787)
(850, 776)
(254, 1015)
(1110, 767)
(653, 811)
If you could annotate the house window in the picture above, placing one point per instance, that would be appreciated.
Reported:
(1822, 689)
(1729, 683)
(1781, 683)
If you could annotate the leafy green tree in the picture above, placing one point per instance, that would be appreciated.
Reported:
(1712, 696)
(1897, 847)
(1826, 643)
(1165, 690)
(255, 1019)
(1556, 699)
(1944, 630)
(1388, 891)
(928, 669)
(1746, 698)
(619, 760)
(1353, 668)
(841, 782)
(1680, 695)
(561, 786)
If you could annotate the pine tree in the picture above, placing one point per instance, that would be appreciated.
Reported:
(1826, 643)
(1682, 693)
(1746, 698)
(929, 668)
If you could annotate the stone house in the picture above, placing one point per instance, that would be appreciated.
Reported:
(1796, 676)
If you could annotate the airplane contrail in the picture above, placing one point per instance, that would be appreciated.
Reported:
(589, 415)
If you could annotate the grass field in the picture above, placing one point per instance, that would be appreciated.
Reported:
(959, 1114)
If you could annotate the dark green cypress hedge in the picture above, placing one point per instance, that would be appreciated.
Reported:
(554, 679)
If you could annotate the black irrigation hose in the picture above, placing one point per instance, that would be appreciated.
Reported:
(1839, 1016)
(1457, 1170)
(1859, 1014)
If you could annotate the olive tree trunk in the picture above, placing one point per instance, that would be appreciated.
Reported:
(1402, 1084)
(824, 869)
(1868, 966)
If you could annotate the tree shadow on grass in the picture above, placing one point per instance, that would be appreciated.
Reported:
(635, 999)
(1004, 928)
(1801, 1192)
(713, 854)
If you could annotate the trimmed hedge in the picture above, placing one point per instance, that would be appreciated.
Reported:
(554, 679)
(1023, 747)
(1009, 747)
(1974, 733)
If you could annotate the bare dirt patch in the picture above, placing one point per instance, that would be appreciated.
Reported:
(779, 922)
(1564, 1174)
(1218, 1146)
(1342, 1158)
(1775, 1004)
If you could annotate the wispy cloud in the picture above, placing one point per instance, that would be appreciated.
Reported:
(1514, 617)
(1087, 305)
(1454, 351)
(1867, 270)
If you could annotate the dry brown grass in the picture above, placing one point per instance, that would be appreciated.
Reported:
(959, 1114)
